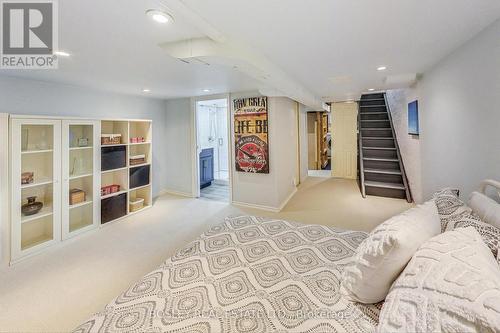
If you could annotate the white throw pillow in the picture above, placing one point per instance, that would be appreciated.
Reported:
(486, 208)
(385, 252)
(452, 284)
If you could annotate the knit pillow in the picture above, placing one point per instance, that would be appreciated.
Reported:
(385, 252)
(489, 233)
(452, 284)
(449, 206)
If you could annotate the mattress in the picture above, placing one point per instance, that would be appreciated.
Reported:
(248, 274)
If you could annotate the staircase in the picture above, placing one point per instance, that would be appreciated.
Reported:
(381, 169)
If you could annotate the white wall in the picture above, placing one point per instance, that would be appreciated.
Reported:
(266, 190)
(271, 190)
(409, 145)
(178, 146)
(460, 116)
(29, 97)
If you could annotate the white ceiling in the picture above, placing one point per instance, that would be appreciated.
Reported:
(115, 47)
(330, 47)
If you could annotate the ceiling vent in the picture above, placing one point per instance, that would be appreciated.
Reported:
(401, 80)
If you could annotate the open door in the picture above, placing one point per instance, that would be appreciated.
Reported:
(212, 177)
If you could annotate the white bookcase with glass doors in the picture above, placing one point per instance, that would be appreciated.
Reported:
(80, 175)
(57, 176)
(35, 151)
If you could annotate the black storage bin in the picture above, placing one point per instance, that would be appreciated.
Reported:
(113, 158)
(113, 208)
(139, 176)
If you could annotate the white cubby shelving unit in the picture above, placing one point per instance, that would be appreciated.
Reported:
(117, 205)
(66, 154)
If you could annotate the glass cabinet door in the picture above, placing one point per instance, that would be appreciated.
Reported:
(79, 176)
(35, 185)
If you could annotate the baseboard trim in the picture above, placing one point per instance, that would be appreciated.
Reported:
(254, 206)
(267, 208)
(288, 199)
(173, 192)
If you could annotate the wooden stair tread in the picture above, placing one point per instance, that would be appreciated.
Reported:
(379, 148)
(376, 138)
(385, 185)
(385, 175)
(380, 159)
(383, 171)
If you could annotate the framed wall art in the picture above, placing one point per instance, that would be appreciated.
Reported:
(251, 135)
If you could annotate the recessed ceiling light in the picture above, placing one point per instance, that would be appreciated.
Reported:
(62, 53)
(206, 90)
(146, 90)
(382, 68)
(159, 16)
(371, 89)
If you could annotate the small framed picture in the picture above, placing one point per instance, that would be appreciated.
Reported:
(83, 142)
(413, 127)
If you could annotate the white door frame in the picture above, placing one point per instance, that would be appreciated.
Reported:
(317, 134)
(195, 151)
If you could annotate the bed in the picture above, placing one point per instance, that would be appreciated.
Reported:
(248, 274)
(253, 274)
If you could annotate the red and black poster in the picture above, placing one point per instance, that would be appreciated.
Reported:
(250, 135)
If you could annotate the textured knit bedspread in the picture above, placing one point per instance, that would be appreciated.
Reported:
(249, 274)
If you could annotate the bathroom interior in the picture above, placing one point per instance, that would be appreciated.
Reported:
(213, 149)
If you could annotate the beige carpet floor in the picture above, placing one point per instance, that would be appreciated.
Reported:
(57, 290)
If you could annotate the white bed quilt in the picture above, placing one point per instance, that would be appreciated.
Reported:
(248, 274)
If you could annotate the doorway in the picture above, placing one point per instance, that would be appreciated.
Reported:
(319, 141)
(212, 135)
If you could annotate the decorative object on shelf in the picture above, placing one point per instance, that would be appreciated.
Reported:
(27, 177)
(111, 139)
(77, 168)
(136, 204)
(76, 196)
(32, 207)
(83, 142)
(137, 140)
(43, 142)
(71, 138)
(137, 159)
(25, 132)
(110, 189)
(251, 135)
